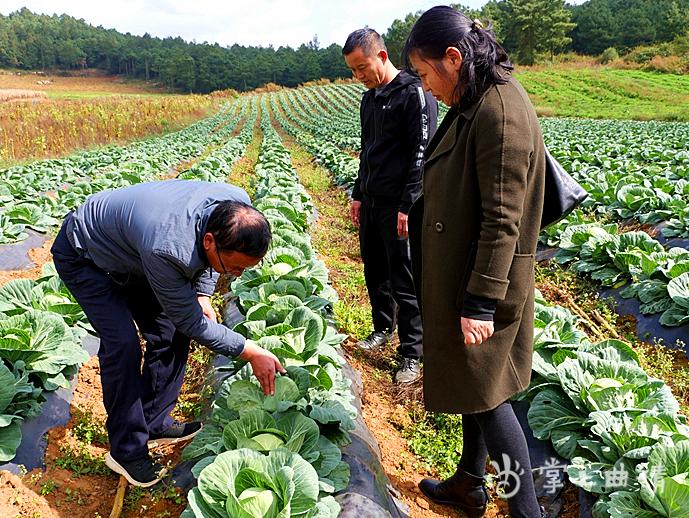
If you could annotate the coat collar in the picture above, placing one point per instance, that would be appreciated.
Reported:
(468, 112)
(446, 136)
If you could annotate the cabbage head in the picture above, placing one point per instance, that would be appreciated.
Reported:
(247, 484)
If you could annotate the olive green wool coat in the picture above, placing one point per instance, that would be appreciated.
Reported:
(475, 229)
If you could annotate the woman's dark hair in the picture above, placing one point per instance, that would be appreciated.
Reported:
(238, 227)
(484, 61)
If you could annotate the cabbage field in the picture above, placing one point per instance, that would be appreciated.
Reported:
(621, 432)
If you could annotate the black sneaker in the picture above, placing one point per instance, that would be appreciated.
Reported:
(410, 371)
(375, 340)
(176, 432)
(141, 472)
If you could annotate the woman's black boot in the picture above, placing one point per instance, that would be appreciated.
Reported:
(462, 490)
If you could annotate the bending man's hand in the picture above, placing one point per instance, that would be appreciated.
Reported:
(402, 225)
(476, 331)
(207, 307)
(354, 212)
(264, 364)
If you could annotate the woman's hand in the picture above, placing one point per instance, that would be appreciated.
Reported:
(207, 307)
(476, 331)
(264, 364)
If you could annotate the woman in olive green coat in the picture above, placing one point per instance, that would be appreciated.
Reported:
(474, 234)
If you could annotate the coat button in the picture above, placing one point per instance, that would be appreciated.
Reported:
(439, 227)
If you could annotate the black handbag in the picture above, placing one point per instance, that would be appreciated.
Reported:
(562, 192)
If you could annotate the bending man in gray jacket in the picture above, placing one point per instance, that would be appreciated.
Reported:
(148, 257)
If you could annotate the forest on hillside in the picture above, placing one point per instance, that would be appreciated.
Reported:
(527, 28)
(36, 42)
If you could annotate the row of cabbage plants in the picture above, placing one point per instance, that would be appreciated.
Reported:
(619, 428)
(41, 332)
(37, 195)
(656, 276)
(341, 128)
(279, 456)
(335, 98)
(215, 166)
(343, 166)
(631, 169)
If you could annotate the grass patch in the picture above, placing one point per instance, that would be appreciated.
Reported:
(242, 173)
(73, 495)
(133, 496)
(353, 319)
(437, 439)
(670, 366)
(80, 461)
(352, 316)
(606, 93)
(140, 501)
(87, 429)
(195, 395)
(47, 487)
(169, 493)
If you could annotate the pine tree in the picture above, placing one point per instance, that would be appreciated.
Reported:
(534, 26)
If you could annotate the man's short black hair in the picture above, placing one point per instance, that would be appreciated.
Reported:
(365, 39)
(238, 227)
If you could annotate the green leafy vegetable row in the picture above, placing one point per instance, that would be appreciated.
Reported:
(657, 277)
(621, 429)
(631, 169)
(215, 166)
(340, 128)
(41, 329)
(343, 166)
(278, 456)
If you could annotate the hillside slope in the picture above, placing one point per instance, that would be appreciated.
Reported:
(606, 93)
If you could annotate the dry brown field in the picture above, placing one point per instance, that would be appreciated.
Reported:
(86, 84)
(49, 116)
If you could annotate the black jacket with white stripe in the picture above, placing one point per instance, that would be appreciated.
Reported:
(397, 121)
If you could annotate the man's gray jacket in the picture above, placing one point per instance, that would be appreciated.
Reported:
(155, 230)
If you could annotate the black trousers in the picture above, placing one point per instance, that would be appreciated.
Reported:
(138, 396)
(387, 270)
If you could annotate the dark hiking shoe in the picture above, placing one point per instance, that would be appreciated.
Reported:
(410, 371)
(375, 340)
(462, 490)
(176, 432)
(142, 472)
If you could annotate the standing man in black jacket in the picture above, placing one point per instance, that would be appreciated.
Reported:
(397, 121)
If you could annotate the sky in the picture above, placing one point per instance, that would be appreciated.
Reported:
(247, 22)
